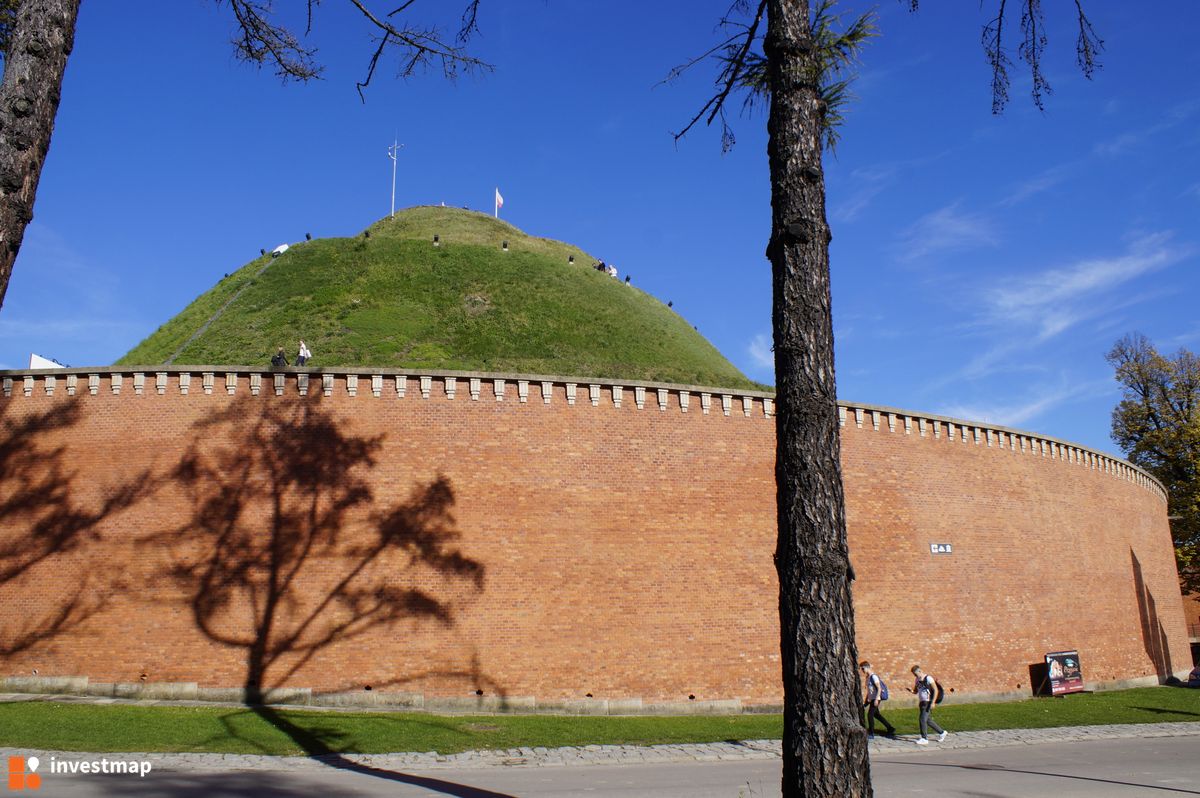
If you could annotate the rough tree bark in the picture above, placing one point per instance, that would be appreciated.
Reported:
(824, 745)
(33, 72)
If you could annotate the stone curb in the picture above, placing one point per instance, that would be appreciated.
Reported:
(612, 754)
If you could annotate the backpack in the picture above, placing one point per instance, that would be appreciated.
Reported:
(941, 693)
(883, 691)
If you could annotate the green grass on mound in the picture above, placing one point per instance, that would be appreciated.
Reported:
(103, 728)
(395, 300)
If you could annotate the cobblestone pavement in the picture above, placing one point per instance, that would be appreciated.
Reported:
(617, 754)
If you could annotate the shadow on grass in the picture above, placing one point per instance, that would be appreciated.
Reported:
(316, 746)
(328, 745)
(1161, 711)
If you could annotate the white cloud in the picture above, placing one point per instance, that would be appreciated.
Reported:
(989, 361)
(1023, 314)
(1121, 143)
(995, 359)
(50, 270)
(868, 184)
(947, 229)
(1017, 413)
(761, 353)
(1052, 301)
(1036, 185)
(1175, 115)
(1183, 339)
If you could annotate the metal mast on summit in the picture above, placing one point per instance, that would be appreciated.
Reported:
(393, 151)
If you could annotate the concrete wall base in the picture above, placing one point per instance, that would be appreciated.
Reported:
(456, 705)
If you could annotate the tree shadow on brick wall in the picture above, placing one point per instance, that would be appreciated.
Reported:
(1154, 637)
(288, 552)
(42, 520)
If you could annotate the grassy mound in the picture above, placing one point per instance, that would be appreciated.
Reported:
(390, 298)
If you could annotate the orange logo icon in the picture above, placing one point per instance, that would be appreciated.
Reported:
(22, 773)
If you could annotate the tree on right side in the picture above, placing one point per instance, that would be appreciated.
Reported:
(1157, 426)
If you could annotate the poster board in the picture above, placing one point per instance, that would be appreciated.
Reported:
(1064, 672)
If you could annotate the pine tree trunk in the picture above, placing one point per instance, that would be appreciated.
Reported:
(33, 71)
(824, 744)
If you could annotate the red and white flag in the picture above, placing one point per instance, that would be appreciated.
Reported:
(499, 202)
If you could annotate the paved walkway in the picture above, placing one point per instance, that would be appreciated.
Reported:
(618, 754)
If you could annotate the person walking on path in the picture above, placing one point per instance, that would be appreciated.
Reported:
(280, 359)
(926, 689)
(876, 692)
(303, 356)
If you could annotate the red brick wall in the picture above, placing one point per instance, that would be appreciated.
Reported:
(522, 549)
(1191, 615)
(1046, 557)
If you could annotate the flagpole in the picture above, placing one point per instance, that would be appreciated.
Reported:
(496, 203)
(393, 151)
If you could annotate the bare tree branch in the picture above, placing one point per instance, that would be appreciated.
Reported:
(371, 68)
(260, 41)
(736, 49)
(1033, 44)
(993, 48)
(836, 49)
(469, 26)
(1088, 45)
(421, 47)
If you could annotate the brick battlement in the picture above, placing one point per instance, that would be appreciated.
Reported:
(525, 388)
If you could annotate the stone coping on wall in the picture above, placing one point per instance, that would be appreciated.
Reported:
(371, 699)
(956, 430)
(192, 693)
(378, 382)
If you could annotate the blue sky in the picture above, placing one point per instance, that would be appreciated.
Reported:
(982, 265)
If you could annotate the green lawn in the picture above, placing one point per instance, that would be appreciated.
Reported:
(1143, 705)
(83, 727)
(88, 727)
